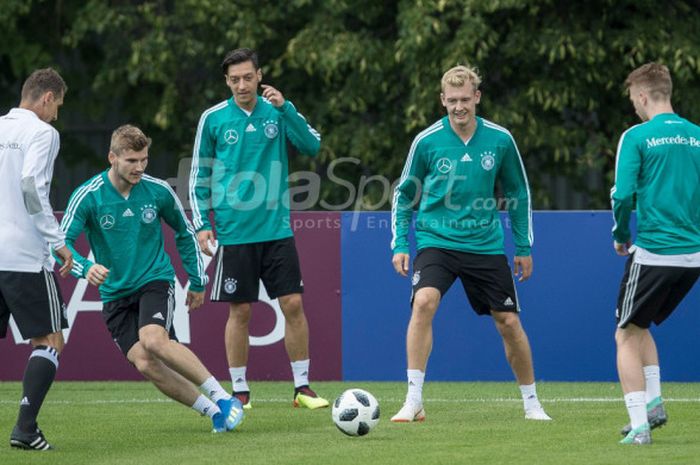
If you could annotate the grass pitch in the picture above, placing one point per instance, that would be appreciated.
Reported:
(476, 423)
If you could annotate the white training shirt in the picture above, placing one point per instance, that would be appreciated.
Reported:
(28, 150)
(644, 257)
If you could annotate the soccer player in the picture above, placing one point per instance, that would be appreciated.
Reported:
(658, 163)
(28, 149)
(120, 211)
(451, 173)
(239, 172)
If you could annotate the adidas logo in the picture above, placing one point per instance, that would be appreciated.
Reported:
(24, 401)
(411, 383)
(158, 316)
(250, 128)
(508, 301)
(306, 373)
(127, 212)
(239, 380)
(466, 157)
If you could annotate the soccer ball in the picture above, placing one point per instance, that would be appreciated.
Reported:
(355, 412)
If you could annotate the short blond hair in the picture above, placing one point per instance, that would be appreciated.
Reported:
(655, 78)
(128, 137)
(460, 75)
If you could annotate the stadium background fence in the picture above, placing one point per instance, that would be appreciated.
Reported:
(358, 310)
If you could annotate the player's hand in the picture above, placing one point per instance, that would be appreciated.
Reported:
(194, 300)
(205, 239)
(522, 267)
(97, 274)
(273, 95)
(66, 257)
(400, 262)
(622, 249)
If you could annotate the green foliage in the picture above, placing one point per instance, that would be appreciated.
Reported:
(365, 73)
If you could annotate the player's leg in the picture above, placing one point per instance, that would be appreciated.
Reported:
(656, 413)
(281, 275)
(156, 335)
(237, 281)
(40, 317)
(640, 296)
(168, 381)
(651, 293)
(516, 344)
(296, 342)
(432, 277)
(629, 341)
(174, 385)
(236, 341)
(488, 282)
(519, 356)
(141, 324)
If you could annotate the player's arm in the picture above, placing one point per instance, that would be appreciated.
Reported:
(305, 138)
(185, 238)
(627, 167)
(200, 189)
(37, 171)
(73, 223)
(406, 198)
(517, 196)
(519, 204)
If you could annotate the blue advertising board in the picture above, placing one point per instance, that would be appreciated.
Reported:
(568, 309)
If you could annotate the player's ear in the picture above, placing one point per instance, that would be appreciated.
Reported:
(48, 97)
(112, 157)
(259, 73)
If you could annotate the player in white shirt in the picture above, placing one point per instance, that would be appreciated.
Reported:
(28, 228)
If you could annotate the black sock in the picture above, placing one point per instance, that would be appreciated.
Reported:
(38, 377)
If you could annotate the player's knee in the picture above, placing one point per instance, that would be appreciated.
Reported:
(623, 336)
(54, 340)
(293, 309)
(240, 314)
(631, 334)
(144, 364)
(291, 304)
(154, 343)
(508, 324)
(425, 304)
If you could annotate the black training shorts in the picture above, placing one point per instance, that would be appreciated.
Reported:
(240, 268)
(34, 301)
(487, 279)
(154, 303)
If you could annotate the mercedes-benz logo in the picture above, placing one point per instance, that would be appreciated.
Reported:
(107, 222)
(444, 165)
(231, 136)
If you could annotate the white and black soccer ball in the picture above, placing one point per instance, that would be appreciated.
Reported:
(355, 412)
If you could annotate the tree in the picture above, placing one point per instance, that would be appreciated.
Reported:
(366, 74)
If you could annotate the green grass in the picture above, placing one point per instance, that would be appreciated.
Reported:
(476, 423)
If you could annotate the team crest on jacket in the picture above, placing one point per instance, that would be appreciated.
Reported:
(148, 213)
(271, 130)
(230, 285)
(488, 161)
